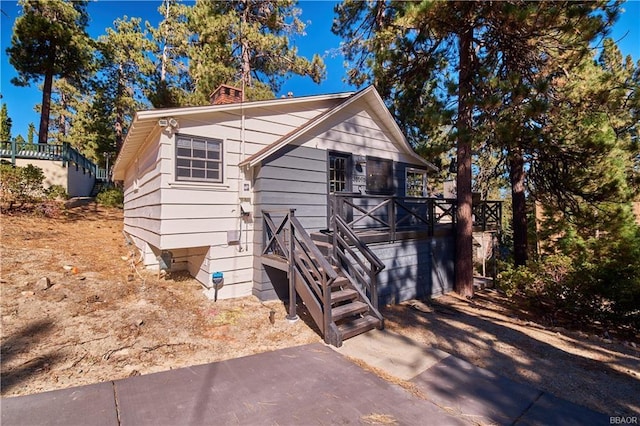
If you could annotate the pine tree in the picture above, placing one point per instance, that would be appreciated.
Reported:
(170, 81)
(49, 40)
(5, 124)
(246, 42)
(411, 53)
(120, 83)
(406, 50)
(590, 149)
(31, 132)
(66, 97)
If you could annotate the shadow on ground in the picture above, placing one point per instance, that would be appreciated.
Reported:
(608, 384)
(17, 363)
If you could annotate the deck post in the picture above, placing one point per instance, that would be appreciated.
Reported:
(432, 215)
(392, 218)
(293, 316)
(373, 286)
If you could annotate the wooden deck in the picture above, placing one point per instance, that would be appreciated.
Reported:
(51, 152)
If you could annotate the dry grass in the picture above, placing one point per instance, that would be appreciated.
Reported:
(102, 319)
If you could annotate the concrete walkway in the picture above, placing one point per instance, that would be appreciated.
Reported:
(462, 389)
(306, 385)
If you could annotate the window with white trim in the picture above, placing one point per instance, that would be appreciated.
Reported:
(416, 183)
(198, 159)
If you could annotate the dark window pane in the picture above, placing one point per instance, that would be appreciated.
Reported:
(198, 159)
(379, 176)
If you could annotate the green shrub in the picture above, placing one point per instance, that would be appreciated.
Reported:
(598, 281)
(21, 184)
(55, 192)
(112, 197)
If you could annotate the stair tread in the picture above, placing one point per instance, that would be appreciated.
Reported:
(353, 308)
(344, 294)
(358, 326)
(340, 281)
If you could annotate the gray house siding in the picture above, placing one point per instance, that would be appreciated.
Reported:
(415, 268)
(295, 178)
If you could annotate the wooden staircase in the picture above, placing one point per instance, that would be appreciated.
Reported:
(350, 313)
(338, 305)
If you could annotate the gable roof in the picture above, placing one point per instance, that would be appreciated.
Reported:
(145, 122)
(369, 95)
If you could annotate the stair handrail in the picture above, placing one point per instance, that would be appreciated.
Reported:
(370, 282)
(306, 261)
(321, 267)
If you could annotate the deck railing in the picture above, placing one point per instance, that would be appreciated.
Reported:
(53, 152)
(359, 262)
(310, 274)
(393, 214)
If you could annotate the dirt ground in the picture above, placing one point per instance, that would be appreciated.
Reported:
(102, 317)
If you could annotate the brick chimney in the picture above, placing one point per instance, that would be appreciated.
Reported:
(225, 95)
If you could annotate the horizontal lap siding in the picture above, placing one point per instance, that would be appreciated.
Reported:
(142, 195)
(415, 268)
(206, 213)
(281, 183)
(200, 215)
(355, 131)
(294, 179)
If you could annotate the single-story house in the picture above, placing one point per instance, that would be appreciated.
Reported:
(214, 189)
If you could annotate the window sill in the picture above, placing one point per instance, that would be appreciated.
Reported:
(199, 186)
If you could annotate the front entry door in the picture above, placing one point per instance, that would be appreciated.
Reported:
(340, 179)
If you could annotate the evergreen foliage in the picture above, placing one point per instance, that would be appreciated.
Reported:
(31, 132)
(20, 185)
(112, 197)
(5, 124)
(246, 43)
(170, 83)
(49, 40)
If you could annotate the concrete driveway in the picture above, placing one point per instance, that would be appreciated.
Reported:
(305, 385)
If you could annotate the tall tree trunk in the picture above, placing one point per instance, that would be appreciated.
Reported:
(43, 134)
(519, 207)
(165, 48)
(119, 124)
(464, 226)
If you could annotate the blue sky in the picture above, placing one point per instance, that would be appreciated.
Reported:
(319, 39)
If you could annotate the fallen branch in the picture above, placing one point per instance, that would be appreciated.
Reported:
(78, 361)
(153, 348)
(65, 345)
(108, 354)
